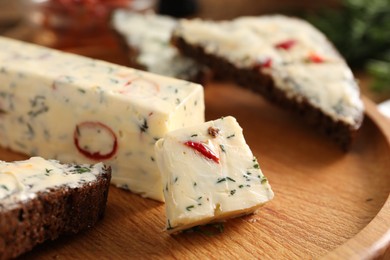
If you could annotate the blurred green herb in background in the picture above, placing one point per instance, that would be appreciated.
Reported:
(360, 30)
(380, 71)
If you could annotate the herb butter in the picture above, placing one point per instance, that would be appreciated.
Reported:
(77, 109)
(209, 173)
(22, 180)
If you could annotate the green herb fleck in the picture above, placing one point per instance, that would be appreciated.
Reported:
(169, 227)
(39, 111)
(152, 158)
(195, 184)
(200, 198)
(115, 81)
(264, 180)
(4, 187)
(221, 180)
(48, 170)
(144, 127)
(231, 136)
(249, 173)
(175, 179)
(194, 135)
(232, 192)
(256, 164)
(190, 207)
(222, 148)
(225, 179)
(241, 186)
(230, 179)
(81, 90)
(82, 169)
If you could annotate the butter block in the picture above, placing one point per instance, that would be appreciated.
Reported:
(77, 109)
(209, 174)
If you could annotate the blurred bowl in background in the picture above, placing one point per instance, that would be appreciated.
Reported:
(80, 26)
(12, 13)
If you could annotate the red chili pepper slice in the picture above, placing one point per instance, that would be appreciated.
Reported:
(265, 64)
(286, 45)
(203, 149)
(315, 58)
(141, 86)
(97, 156)
(60, 80)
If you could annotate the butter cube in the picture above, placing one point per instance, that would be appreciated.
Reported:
(209, 174)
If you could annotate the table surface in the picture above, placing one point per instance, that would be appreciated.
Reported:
(96, 48)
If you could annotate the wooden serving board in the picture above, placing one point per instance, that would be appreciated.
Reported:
(327, 202)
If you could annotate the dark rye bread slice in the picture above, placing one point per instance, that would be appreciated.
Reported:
(253, 78)
(28, 220)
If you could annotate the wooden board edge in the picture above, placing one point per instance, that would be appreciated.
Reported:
(373, 240)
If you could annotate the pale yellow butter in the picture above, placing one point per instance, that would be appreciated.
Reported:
(76, 109)
(209, 177)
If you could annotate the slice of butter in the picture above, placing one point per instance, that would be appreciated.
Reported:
(209, 173)
(77, 109)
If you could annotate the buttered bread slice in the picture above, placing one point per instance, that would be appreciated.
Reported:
(76, 109)
(43, 199)
(209, 174)
(286, 60)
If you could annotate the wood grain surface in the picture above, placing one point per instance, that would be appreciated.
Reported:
(327, 203)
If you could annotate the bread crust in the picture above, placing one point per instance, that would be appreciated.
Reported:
(59, 211)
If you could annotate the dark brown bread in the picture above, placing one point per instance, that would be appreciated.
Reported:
(60, 211)
(263, 84)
